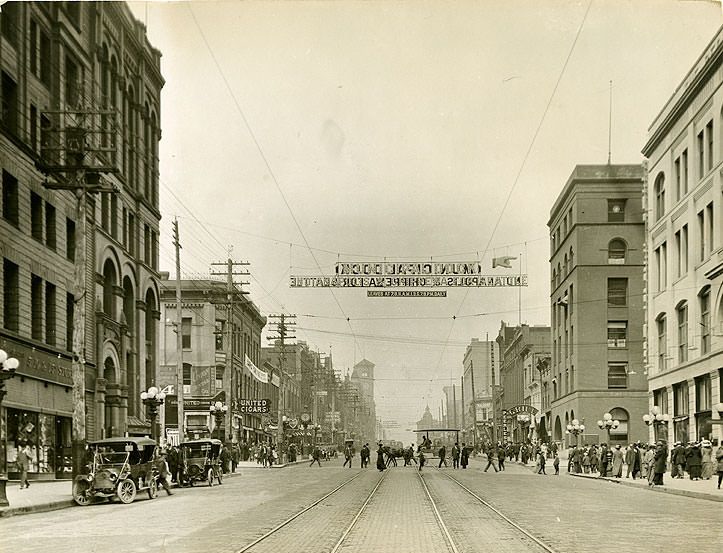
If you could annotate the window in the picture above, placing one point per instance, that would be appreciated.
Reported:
(219, 377)
(131, 234)
(710, 228)
(33, 128)
(680, 399)
(146, 244)
(9, 22)
(72, 82)
(154, 250)
(186, 378)
(616, 252)
(36, 216)
(682, 313)
(9, 114)
(678, 180)
(704, 298)
(703, 394)
(659, 196)
(701, 234)
(114, 216)
(104, 212)
(36, 307)
(619, 434)
(617, 376)
(69, 315)
(44, 58)
(70, 239)
(50, 313)
(661, 264)
(218, 333)
(684, 250)
(617, 334)
(684, 170)
(10, 199)
(701, 155)
(709, 143)
(662, 342)
(11, 297)
(660, 398)
(616, 211)
(50, 233)
(617, 292)
(186, 332)
(570, 302)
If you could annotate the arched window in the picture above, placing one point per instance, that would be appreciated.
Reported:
(619, 434)
(617, 250)
(570, 261)
(564, 264)
(109, 282)
(659, 196)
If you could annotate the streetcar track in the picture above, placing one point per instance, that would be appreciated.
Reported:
(494, 509)
(437, 514)
(289, 520)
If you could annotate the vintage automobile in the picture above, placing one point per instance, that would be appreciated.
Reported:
(120, 467)
(201, 461)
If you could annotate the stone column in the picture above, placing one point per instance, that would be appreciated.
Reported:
(100, 384)
(691, 409)
(671, 408)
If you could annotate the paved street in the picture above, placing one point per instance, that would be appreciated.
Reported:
(569, 514)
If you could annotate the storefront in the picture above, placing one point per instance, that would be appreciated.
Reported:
(37, 412)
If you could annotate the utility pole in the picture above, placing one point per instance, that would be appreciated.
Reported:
(284, 323)
(231, 291)
(474, 404)
(179, 337)
(454, 404)
(74, 151)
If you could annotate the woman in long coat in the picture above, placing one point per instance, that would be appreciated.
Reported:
(381, 465)
(618, 458)
(706, 448)
(464, 456)
(659, 464)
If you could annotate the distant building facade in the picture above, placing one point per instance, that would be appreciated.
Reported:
(480, 369)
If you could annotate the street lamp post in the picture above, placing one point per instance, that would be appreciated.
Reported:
(608, 423)
(575, 428)
(153, 399)
(8, 365)
(218, 410)
(524, 420)
(656, 419)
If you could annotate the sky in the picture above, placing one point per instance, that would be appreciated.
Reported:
(301, 134)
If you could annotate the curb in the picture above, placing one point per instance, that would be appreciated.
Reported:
(38, 508)
(659, 489)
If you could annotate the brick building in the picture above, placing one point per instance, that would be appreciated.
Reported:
(78, 78)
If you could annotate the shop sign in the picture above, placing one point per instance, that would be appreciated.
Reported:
(254, 406)
(202, 403)
(39, 364)
(518, 409)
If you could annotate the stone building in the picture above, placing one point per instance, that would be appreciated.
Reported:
(80, 91)
(480, 370)
(684, 280)
(596, 301)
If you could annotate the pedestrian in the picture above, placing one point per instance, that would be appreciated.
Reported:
(422, 459)
(603, 460)
(556, 464)
(661, 456)
(541, 459)
(694, 459)
(163, 472)
(381, 465)
(315, 456)
(636, 460)
(492, 456)
(348, 455)
(364, 455)
(706, 449)
(719, 459)
(576, 460)
(618, 462)
(442, 456)
(455, 456)
(647, 463)
(501, 457)
(630, 460)
(464, 456)
(23, 461)
(677, 459)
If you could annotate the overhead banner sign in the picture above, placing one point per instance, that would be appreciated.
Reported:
(462, 274)
(257, 373)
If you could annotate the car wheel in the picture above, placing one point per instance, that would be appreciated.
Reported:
(126, 490)
(81, 487)
(209, 477)
(153, 489)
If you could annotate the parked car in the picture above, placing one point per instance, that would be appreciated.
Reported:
(120, 467)
(201, 461)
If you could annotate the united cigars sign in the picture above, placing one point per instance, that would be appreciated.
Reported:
(253, 406)
(463, 274)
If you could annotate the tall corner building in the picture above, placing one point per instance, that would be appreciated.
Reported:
(596, 301)
(79, 80)
(684, 314)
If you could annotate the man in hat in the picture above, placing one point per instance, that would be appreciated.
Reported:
(618, 462)
(163, 472)
(630, 460)
(677, 459)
